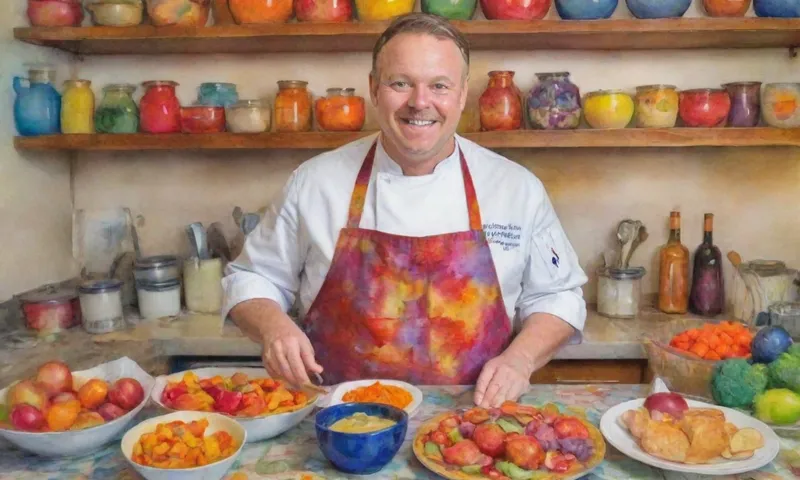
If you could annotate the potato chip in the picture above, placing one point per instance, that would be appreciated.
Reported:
(737, 456)
(746, 439)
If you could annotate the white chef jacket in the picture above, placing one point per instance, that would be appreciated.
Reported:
(290, 251)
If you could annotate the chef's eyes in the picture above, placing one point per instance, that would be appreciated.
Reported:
(437, 87)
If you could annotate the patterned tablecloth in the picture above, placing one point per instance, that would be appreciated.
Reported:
(295, 455)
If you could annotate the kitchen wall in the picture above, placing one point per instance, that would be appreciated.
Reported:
(752, 191)
(35, 190)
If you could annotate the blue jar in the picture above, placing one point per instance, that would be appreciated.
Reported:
(585, 9)
(214, 94)
(37, 106)
(777, 8)
(658, 8)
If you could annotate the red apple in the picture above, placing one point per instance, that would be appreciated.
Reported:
(54, 377)
(27, 417)
(109, 411)
(28, 392)
(126, 393)
(666, 402)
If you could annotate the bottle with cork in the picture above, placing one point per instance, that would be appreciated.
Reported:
(673, 273)
(708, 293)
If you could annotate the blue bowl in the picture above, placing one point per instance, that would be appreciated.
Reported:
(777, 8)
(361, 453)
(585, 9)
(658, 8)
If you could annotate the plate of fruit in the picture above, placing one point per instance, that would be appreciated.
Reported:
(515, 441)
(669, 432)
(266, 407)
(58, 412)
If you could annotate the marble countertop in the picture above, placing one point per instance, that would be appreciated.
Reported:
(296, 455)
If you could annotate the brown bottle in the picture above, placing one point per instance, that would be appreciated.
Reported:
(673, 270)
(708, 290)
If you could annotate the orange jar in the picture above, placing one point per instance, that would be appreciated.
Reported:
(340, 111)
(261, 11)
(292, 107)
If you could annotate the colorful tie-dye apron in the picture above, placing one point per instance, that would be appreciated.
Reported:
(426, 310)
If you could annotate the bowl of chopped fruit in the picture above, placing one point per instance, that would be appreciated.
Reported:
(264, 406)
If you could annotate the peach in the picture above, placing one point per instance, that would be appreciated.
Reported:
(126, 393)
(524, 452)
(64, 397)
(62, 415)
(87, 420)
(93, 393)
(28, 391)
(462, 453)
(54, 377)
(188, 401)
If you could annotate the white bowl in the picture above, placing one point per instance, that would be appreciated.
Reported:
(88, 440)
(341, 389)
(212, 471)
(258, 428)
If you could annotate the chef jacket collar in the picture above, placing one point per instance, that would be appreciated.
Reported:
(385, 164)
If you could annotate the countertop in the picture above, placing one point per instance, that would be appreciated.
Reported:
(295, 453)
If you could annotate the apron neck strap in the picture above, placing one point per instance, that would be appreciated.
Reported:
(359, 195)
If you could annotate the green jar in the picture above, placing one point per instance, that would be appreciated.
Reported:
(117, 112)
(450, 9)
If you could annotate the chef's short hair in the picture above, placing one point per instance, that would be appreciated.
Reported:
(422, 23)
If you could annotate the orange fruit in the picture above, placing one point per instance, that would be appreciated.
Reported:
(61, 416)
(93, 393)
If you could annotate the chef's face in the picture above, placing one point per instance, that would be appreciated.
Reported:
(419, 90)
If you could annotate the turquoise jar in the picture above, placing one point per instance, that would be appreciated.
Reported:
(37, 106)
(117, 112)
(450, 9)
(214, 94)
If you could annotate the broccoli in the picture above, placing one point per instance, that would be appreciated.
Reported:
(735, 383)
(785, 371)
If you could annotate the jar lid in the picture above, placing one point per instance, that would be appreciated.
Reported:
(631, 273)
(218, 85)
(78, 82)
(350, 91)
(552, 74)
(156, 261)
(657, 86)
(247, 104)
(334, 91)
(159, 83)
(765, 268)
(101, 286)
(158, 286)
(607, 92)
(50, 294)
(292, 84)
(129, 87)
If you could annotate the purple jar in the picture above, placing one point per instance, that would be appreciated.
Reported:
(554, 102)
(745, 103)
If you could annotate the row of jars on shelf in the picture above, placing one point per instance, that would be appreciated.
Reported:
(50, 13)
(555, 103)
(39, 109)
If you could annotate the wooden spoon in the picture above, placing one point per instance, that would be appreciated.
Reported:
(735, 258)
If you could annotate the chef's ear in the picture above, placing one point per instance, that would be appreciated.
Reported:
(374, 82)
(464, 92)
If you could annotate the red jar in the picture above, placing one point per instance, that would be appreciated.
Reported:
(323, 10)
(704, 107)
(515, 9)
(500, 104)
(159, 109)
(51, 309)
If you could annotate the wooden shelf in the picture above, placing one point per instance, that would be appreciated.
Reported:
(625, 34)
(630, 137)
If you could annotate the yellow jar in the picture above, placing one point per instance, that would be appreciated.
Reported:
(656, 106)
(376, 10)
(608, 109)
(77, 107)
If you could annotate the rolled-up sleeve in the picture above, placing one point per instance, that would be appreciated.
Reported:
(553, 276)
(272, 257)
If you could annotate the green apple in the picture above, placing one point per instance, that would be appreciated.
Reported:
(779, 406)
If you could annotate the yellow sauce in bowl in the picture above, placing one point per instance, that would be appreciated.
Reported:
(361, 423)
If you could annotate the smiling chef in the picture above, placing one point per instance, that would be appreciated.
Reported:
(410, 251)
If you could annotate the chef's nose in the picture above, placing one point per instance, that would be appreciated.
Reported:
(420, 97)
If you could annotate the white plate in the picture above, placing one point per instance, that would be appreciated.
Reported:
(259, 428)
(620, 438)
(88, 440)
(335, 397)
(213, 471)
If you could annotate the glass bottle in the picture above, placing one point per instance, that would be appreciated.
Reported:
(160, 108)
(117, 112)
(673, 270)
(500, 104)
(708, 293)
(77, 107)
(292, 107)
(37, 106)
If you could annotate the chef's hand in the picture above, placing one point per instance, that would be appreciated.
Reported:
(504, 377)
(287, 351)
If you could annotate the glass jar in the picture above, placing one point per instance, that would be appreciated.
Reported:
(37, 105)
(619, 291)
(656, 106)
(745, 103)
(554, 102)
(55, 13)
(186, 13)
(377, 10)
(450, 9)
(608, 109)
(340, 110)
(515, 9)
(217, 94)
(500, 104)
(101, 306)
(292, 107)
(323, 10)
(202, 119)
(261, 11)
(704, 107)
(117, 112)
(160, 108)
(77, 107)
(248, 116)
(120, 13)
(158, 300)
(780, 105)
(51, 309)
(202, 284)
